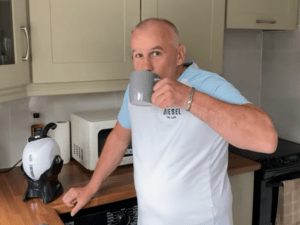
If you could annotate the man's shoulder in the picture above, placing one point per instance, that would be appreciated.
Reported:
(194, 74)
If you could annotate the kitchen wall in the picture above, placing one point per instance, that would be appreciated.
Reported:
(280, 95)
(243, 61)
(242, 67)
(16, 117)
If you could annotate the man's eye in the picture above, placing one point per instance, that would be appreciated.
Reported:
(138, 55)
(156, 53)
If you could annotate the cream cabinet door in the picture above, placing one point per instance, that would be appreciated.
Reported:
(262, 14)
(242, 186)
(79, 41)
(200, 24)
(15, 76)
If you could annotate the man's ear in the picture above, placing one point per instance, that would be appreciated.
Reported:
(181, 54)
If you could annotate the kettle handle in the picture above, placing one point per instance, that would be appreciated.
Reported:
(47, 128)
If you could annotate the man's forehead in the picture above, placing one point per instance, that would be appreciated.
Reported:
(158, 47)
(152, 35)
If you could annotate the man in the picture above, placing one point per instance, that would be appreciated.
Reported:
(181, 142)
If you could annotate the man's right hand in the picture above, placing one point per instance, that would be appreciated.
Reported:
(111, 156)
(77, 198)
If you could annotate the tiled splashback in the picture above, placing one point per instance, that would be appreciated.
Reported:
(242, 62)
(281, 82)
(16, 117)
(242, 67)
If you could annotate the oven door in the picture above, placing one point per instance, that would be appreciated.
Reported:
(266, 189)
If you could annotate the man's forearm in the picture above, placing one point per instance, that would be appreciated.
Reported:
(111, 156)
(244, 126)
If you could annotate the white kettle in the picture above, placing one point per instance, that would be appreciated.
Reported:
(39, 153)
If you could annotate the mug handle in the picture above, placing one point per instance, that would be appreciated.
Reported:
(156, 79)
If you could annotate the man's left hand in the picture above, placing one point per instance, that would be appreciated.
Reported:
(170, 93)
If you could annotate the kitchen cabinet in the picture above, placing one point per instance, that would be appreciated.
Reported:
(14, 71)
(200, 25)
(81, 41)
(84, 46)
(262, 14)
(242, 190)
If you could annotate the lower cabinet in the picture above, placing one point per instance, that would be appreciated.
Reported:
(242, 191)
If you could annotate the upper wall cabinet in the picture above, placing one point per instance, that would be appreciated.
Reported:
(200, 24)
(81, 41)
(262, 14)
(84, 46)
(14, 70)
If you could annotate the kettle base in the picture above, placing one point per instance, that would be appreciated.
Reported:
(47, 187)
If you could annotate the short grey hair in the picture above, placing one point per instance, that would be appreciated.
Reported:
(145, 22)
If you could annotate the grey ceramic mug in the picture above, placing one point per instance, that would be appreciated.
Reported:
(141, 87)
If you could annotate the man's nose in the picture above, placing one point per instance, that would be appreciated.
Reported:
(147, 64)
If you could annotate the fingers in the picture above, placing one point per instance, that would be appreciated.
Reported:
(161, 101)
(74, 202)
(160, 94)
(77, 198)
(159, 84)
(75, 210)
(69, 198)
(169, 93)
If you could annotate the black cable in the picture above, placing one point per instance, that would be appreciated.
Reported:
(5, 171)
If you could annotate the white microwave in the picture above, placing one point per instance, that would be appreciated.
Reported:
(89, 131)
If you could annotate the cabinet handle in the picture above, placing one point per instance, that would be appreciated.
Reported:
(266, 21)
(27, 40)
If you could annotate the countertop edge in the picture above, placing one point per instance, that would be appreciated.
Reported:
(238, 164)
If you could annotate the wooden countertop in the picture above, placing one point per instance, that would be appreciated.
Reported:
(238, 164)
(118, 186)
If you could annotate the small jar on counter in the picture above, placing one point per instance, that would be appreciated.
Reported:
(36, 127)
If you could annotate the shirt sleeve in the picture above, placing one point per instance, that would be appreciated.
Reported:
(219, 88)
(123, 116)
(226, 92)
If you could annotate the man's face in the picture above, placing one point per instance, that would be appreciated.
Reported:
(155, 49)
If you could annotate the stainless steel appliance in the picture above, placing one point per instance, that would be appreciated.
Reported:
(282, 165)
(122, 212)
(89, 132)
